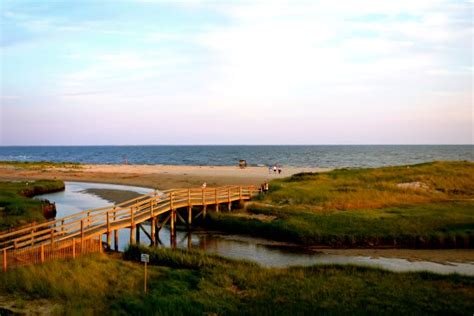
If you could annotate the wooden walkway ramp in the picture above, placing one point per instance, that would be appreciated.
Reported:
(82, 233)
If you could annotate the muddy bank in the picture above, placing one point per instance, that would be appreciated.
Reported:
(440, 255)
(113, 195)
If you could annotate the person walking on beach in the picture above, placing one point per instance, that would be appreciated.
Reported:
(274, 169)
(204, 185)
(279, 169)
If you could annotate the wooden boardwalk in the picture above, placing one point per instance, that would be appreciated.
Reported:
(82, 233)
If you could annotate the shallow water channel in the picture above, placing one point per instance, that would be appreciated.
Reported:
(265, 252)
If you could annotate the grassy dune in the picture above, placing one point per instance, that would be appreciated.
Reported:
(16, 205)
(426, 205)
(192, 283)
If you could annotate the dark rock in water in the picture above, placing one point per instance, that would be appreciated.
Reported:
(49, 209)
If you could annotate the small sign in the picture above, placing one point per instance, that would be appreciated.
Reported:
(145, 258)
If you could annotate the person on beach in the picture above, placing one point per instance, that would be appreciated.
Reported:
(279, 169)
(274, 169)
(204, 185)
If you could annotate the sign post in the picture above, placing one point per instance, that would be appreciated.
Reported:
(145, 258)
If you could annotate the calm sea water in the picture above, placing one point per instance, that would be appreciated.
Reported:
(300, 156)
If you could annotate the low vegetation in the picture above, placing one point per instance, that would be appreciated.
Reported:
(427, 205)
(192, 283)
(40, 164)
(16, 205)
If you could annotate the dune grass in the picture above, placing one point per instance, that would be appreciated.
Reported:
(16, 205)
(192, 283)
(426, 205)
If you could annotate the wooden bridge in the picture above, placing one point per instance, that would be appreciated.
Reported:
(82, 233)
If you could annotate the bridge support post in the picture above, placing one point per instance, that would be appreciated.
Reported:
(173, 222)
(190, 216)
(152, 231)
(116, 240)
(137, 231)
(132, 235)
(190, 244)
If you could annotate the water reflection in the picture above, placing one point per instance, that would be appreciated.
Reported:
(264, 252)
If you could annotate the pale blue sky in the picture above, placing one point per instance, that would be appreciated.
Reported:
(236, 72)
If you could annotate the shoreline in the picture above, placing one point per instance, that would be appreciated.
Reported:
(161, 177)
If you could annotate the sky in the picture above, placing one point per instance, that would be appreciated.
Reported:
(236, 72)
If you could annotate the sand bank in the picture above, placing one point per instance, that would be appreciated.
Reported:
(153, 176)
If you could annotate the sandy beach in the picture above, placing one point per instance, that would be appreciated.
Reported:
(153, 176)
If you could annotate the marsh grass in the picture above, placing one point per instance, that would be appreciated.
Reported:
(367, 208)
(16, 205)
(193, 283)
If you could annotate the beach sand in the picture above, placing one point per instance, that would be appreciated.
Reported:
(153, 176)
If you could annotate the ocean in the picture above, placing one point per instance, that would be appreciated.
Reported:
(298, 156)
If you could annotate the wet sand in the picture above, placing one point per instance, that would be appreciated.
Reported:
(113, 196)
(153, 176)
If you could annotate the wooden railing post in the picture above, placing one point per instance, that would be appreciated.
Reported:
(82, 236)
(52, 238)
(171, 200)
(115, 232)
(42, 253)
(132, 226)
(74, 248)
(100, 244)
(4, 260)
(190, 208)
(240, 193)
(204, 205)
(229, 200)
(108, 229)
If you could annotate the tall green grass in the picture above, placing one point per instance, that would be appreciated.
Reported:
(16, 205)
(192, 283)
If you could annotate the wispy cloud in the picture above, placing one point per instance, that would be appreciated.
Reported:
(312, 68)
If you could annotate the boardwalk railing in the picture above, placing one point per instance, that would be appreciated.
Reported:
(81, 233)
